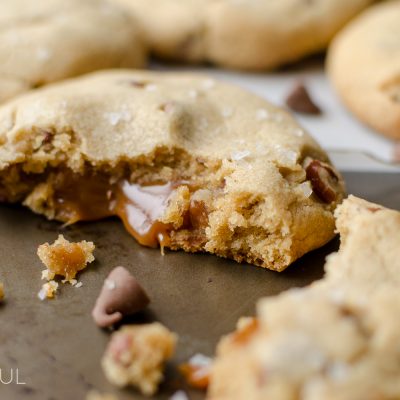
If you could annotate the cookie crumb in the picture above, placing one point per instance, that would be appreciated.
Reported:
(1, 292)
(65, 258)
(197, 371)
(299, 100)
(48, 290)
(136, 354)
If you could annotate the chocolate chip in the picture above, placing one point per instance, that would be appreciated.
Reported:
(120, 296)
(324, 180)
(299, 100)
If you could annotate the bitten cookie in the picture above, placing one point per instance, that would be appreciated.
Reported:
(49, 40)
(364, 67)
(185, 162)
(336, 340)
(243, 34)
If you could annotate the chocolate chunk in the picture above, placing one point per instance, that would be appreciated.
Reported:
(323, 179)
(299, 100)
(120, 296)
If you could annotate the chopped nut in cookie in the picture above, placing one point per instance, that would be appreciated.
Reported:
(324, 181)
(120, 296)
(136, 354)
(65, 258)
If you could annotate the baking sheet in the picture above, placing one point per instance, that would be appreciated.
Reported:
(56, 346)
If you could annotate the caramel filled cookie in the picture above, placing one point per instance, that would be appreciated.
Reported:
(186, 163)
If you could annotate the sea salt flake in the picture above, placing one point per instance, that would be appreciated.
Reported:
(79, 284)
(151, 87)
(110, 284)
(262, 114)
(116, 117)
(298, 132)
(43, 54)
(240, 155)
(338, 371)
(193, 94)
(209, 84)
(227, 112)
(200, 360)
(306, 188)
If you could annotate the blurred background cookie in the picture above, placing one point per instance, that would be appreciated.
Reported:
(242, 34)
(364, 67)
(50, 40)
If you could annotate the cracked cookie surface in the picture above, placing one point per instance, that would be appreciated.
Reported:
(50, 40)
(186, 162)
(364, 66)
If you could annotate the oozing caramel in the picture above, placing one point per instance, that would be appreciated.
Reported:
(88, 198)
(67, 260)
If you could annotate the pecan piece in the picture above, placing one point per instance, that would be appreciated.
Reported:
(323, 178)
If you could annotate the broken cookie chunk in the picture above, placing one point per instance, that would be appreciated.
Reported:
(65, 258)
(136, 356)
(48, 290)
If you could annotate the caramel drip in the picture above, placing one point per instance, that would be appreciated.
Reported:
(67, 260)
(88, 198)
(140, 208)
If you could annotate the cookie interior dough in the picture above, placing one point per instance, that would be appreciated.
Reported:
(364, 66)
(49, 40)
(245, 34)
(185, 162)
(337, 339)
